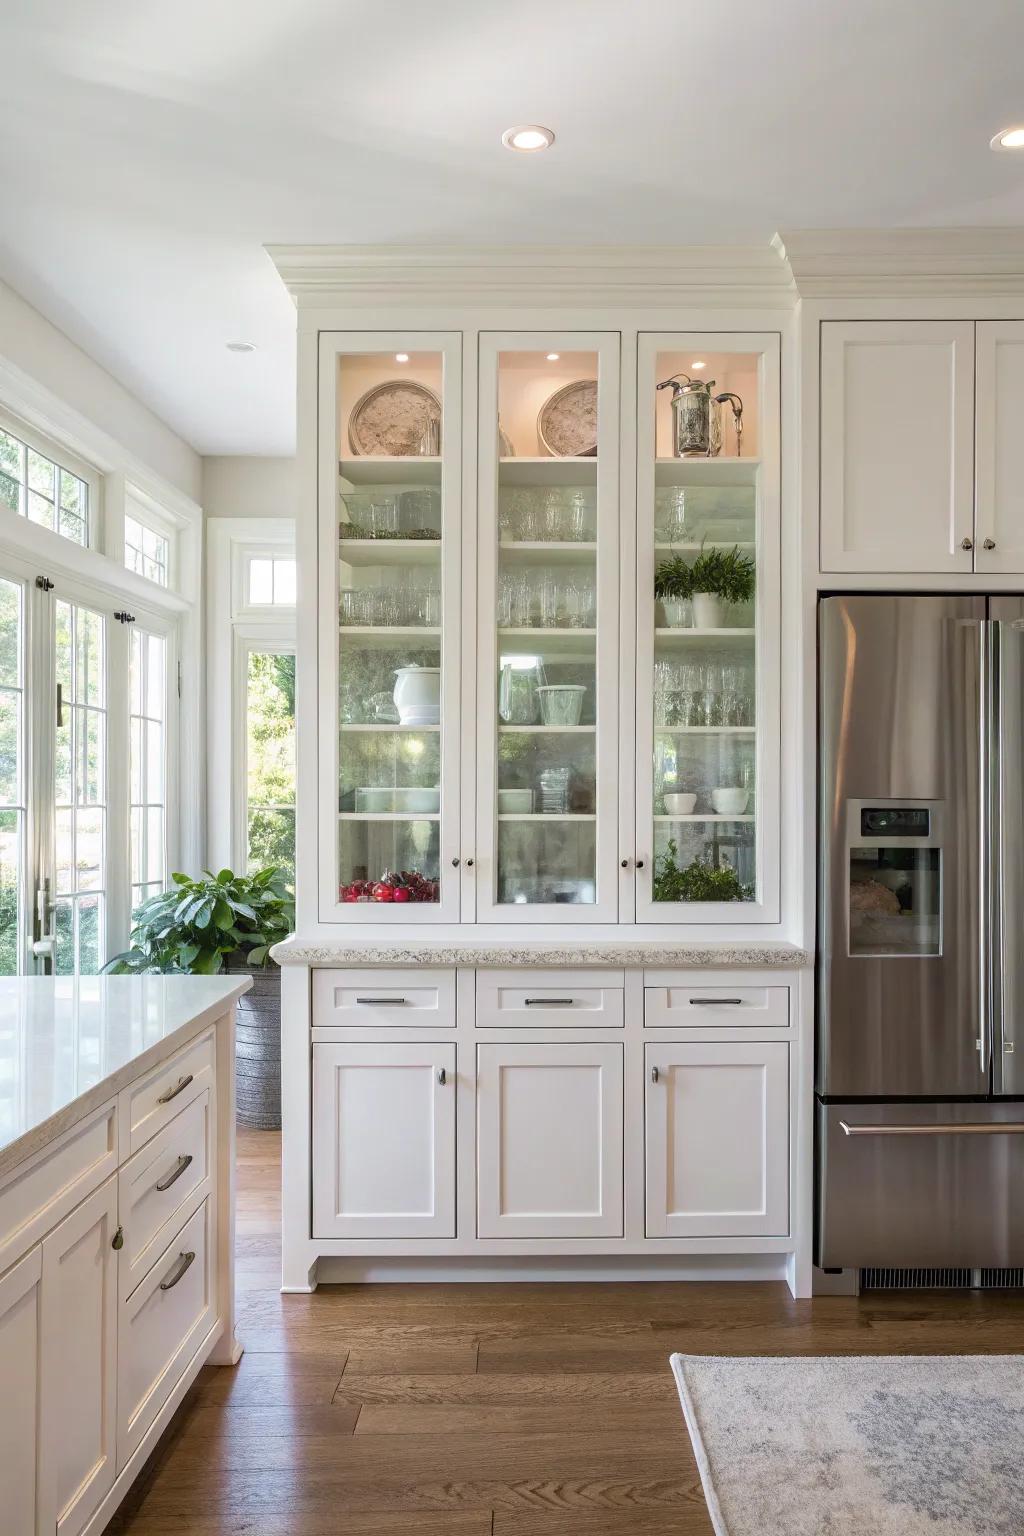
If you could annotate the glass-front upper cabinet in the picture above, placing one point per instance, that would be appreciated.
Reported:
(548, 660)
(707, 641)
(389, 570)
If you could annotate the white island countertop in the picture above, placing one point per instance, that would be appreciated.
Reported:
(67, 1044)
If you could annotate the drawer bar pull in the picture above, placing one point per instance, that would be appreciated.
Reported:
(716, 1002)
(179, 1087)
(982, 1128)
(184, 1263)
(550, 1002)
(175, 1173)
(381, 1002)
(442, 1076)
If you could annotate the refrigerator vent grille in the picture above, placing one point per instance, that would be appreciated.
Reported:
(941, 1279)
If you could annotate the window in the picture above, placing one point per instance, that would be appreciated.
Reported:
(43, 490)
(80, 790)
(147, 686)
(271, 582)
(12, 774)
(270, 760)
(146, 552)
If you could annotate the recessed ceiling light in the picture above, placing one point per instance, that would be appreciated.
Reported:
(240, 346)
(528, 138)
(700, 363)
(553, 357)
(1008, 138)
(401, 357)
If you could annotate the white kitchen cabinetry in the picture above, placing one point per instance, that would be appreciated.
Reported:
(78, 1364)
(897, 446)
(384, 1140)
(549, 1127)
(999, 473)
(21, 1331)
(717, 1139)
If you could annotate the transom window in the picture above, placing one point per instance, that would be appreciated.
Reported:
(146, 551)
(43, 490)
(271, 582)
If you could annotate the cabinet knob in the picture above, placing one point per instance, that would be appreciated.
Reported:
(625, 863)
(442, 1076)
(117, 1241)
(966, 543)
(655, 1074)
(469, 863)
(989, 544)
(639, 863)
(455, 863)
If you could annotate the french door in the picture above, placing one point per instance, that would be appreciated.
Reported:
(85, 725)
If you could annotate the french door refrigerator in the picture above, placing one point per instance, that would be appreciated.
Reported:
(920, 1091)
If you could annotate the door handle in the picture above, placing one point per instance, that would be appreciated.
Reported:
(969, 1128)
(179, 1087)
(184, 1263)
(442, 1076)
(716, 1002)
(655, 1074)
(175, 1173)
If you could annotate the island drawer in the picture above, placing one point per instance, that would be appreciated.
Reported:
(149, 1104)
(162, 1325)
(520, 999)
(40, 1192)
(373, 998)
(684, 1005)
(160, 1186)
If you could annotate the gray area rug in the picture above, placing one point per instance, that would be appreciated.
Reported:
(888, 1445)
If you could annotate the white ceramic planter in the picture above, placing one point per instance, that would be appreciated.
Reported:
(709, 611)
(418, 695)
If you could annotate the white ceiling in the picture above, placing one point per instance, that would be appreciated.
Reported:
(148, 151)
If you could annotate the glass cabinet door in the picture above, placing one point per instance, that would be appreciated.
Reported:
(548, 604)
(389, 647)
(707, 641)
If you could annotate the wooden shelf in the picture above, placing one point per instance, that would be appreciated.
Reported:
(386, 725)
(402, 552)
(389, 816)
(553, 552)
(384, 470)
(747, 546)
(711, 816)
(544, 730)
(398, 632)
(738, 639)
(548, 642)
(544, 471)
(705, 730)
(542, 816)
(723, 471)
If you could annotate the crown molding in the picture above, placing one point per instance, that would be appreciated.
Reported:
(865, 263)
(534, 274)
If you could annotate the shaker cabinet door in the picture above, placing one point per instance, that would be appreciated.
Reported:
(1000, 447)
(897, 449)
(718, 1139)
(384, 1140)
(549, 1140)
(20, 1336)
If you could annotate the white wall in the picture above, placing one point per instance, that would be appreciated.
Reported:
(38, 350)
(241, 486)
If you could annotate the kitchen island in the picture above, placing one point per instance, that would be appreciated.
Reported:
(117, 1167)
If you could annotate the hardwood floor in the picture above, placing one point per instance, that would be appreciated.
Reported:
(483, 1410)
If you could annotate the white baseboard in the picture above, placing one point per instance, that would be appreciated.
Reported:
(411, 1271)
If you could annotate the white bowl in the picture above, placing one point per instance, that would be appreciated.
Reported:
(417, 800)
(515, 802)
(730, 802)
(680, 805)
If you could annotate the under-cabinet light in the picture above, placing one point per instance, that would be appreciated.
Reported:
(401, 357)
(553, 357)
(698, 365)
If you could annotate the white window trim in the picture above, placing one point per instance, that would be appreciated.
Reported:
(160, 521)
(65, 458)
(234, 627)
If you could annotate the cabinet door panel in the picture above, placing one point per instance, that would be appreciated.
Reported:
(79, 1363)
(384, 1140)
(897, 404)
(999, 411)
(718, 1139)
(20, 1341)
(549, 1140)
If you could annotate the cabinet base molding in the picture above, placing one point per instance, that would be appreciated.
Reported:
(597, 1267)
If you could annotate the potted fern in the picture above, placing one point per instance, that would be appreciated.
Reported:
(698, 881)
(721, 578)
(224, 924)
(673, 589)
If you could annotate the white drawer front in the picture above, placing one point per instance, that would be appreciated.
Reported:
(160, 1186)
(162, 1326)
(148, 1105)
(408, 998)
(40, 1192)
(682, 1005)
(538, 999)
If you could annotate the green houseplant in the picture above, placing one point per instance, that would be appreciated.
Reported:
(673, 588)
(721, 577)
(699, 881)
(225, 923)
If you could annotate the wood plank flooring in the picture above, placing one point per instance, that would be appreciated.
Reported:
(483, 1410)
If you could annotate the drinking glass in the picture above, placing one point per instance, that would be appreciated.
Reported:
(673, 525)
(555, 519)
(551, 597)
(432, 607)
(350, 607)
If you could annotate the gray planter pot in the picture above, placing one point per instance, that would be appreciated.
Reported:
(258, 1049)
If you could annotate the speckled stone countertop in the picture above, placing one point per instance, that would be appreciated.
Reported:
(67, 1044)
(752, 956)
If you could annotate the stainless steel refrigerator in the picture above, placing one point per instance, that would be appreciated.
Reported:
(920, 1090)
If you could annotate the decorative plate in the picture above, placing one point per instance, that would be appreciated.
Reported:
(567, 424)
(505, 448)
(394, 418)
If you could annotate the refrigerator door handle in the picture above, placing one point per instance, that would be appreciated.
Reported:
(971, 1128)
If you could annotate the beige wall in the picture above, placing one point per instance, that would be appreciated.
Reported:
(243, 486)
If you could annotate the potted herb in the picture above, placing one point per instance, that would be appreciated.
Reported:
(699, 881)
(224, 923)
(721, 577)
(673, 588)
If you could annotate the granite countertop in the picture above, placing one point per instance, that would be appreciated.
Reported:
(754, 955)
(69, 1044)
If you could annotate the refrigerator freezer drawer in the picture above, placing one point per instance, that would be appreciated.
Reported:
(920, 1185)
